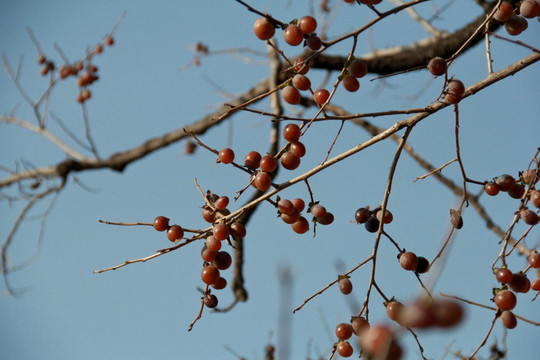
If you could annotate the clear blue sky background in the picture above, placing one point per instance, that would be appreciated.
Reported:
(143, 311)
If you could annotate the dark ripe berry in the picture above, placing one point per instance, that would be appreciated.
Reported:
(437, 66)
(208, 215)
(394, 310)
(207, 254)
(220, 231)
(505, 182)
(268, 163)
(422, 266)
(359, 324)
(220, 283)
(307, 24)
(372, 224)
(529, 9)
(263, 29)
(299, 204)
(515, 25)
(505, 300)
(357, 68)
(456, 219)
(222, 202)
(503, 275)
(292, 217)
(447, 312)
(226, 156)
(293, 35)
(252, 159)
(210, 300)
(175, 233)
(301, 82)
(517, 191)
(344, 349)
(491, 188)
(289, 161)
(508, 319)
(388, 217)
(529, 217)
(291, 132)
(344, 331)
(313, 42)
(535, 198)
(238, 230)
(291, 95)
(362, 215)
(285, 206)
(161, 223)
(213, 244)
(223, 260)
(345, 286)
(318, 210)
(298, 149)
(535, 285)
(408, 260)
(321, 96)
(209, 274)
(109, 40)
(262, 181)
(327, 219)
(350, 83)
(534, 259)
(418, 315)
(456, 87)
(300, 66)
(520, 283)
(301, 226)
(504, 12)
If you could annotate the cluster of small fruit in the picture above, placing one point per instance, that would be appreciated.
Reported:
(290, 212)
(516, 189)
(377, 342)
(214, 258)
(293, 33)
(455, 88)
(505, 297)
(87, 78)
(372, 218)
(515, 24)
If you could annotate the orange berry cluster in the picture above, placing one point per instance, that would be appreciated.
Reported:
(514, 17)
(84, 79)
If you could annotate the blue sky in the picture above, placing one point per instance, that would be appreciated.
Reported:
(143, 310)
